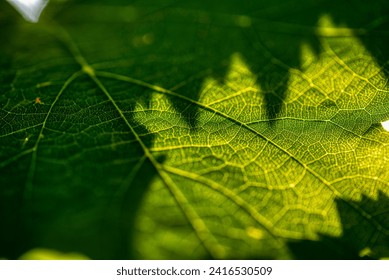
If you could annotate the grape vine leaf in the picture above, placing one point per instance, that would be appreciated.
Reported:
(196, 129)
(357, 235)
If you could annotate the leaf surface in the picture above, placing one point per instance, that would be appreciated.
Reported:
(160, 130)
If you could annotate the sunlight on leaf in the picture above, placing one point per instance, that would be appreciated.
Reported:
(192, 130)
(385, 125)
(47, 254)
(234, 157)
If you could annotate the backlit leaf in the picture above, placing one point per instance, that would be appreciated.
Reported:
(195, 129)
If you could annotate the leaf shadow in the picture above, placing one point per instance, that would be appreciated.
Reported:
(7, 30)
(261, 31)
(186, 42)
(360, 239)
(9, 210)
(89, 207)
(253, 32)
(250, 32)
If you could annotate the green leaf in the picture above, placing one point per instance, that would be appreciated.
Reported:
(45, 254)
(195, 129)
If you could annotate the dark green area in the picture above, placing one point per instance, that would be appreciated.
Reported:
(84, 187)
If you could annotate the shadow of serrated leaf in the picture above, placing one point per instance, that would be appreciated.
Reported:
(360, 239)
(210, 33)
